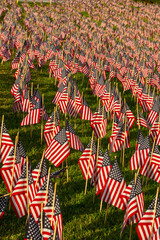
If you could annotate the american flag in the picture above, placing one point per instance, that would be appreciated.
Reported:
(97, 167)
(33, 116)
(33, 230)
(52, 127)
(141, 154)
(7, 169)
(143, 99)
(25, 102)
(40, 173)
(113, 188)
(153, 114)
(103, 172)
(57, 174)
(46, 227)
(121, 138)
(57, 215)
(41, 196)
(130, 117)
(73, 139)
(100, 86)
(154, 131)
(144, 227)
(58, 149)
(62, 89)
(3, 204)
(99, 122)
(19, 199)
(141, 121)
(151, 166)
(6, 144)
(74, 104)
(86, 113)
(135, 204)
(89, 155)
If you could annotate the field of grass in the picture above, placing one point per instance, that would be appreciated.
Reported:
(81, 217)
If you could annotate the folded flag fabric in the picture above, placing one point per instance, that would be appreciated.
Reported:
(73, 139)
(153, 114)
(97, 167)
(57, 214)
(3, 204)
(141, 153)
(151, 166)
(41, 196)
(87, 160)
(144, 227)
(51, 127)
(19, 199)
(141, 121)
(103, 172)
(113, 188)
(135, 204)
(40, 173)
(59, 149)
(7, 172)
(33, 230)
(120, 140)
(99, 122)
(6, 144)
(86, 113)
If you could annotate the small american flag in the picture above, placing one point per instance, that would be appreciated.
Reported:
(59, 149)
(113, 188)
(3, 204)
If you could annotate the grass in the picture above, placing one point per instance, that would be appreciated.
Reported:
(81, 218)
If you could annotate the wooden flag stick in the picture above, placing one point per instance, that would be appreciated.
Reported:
(82, 119)
(39, 170)
(14, 160)
(101, 205)
(130, 233)
(95, 176)
(54, 121)
(136, 174)
(89, 164)
(47, 186)
(158, 123)
(154, 214)
(54, 198)
(55, 229)
(109, 99)
(32, 89)
(124, 142)
(42, 119)
(138, 116)
(74, 106)
(68, 91)
(27, 186)
(150, 160)
(5, 195)
(41, 218)
(29, 112)
(105, 219)
(113, 120)
(64, 123)
(1, 130)
(67, 169)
